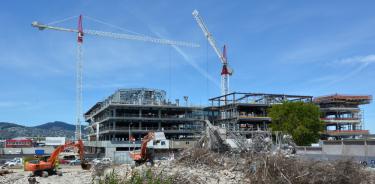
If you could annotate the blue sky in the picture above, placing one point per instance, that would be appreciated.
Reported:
(292, 47)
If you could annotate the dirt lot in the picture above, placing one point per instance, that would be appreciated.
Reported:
(71, 175)
(205, 167)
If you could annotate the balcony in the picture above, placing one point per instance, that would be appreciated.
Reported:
(148, 129)
(340, 120)
(111, 144)
(346, 132)
(150, 117)
(254, 118)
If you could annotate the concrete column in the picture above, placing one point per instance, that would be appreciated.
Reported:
(159, 113)
(140, 125)
(113, 125)
(97, 131)
(140, 112)
(366, 149)
(159, 125)
(114, 112)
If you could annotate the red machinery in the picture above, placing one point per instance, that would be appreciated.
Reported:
(48, 167)
(143, 155)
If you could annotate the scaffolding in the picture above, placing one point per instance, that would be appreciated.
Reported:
(342, 115)
(136, 111)
(256, 98)
(244, 113)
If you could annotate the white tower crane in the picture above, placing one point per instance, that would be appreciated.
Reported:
(81, 33)
(226, 70)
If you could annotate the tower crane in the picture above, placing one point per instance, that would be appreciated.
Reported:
(226, 71)
(80, 33)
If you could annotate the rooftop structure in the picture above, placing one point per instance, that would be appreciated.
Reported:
(18, 142)
(342, 115)
(126, 116)
(246, 112)
(343, 99)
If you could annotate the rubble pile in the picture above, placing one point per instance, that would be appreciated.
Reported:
(211, 139)
(99, 169)
(202, 166)
(278, 168)
(4, 172)
(261, 142)
(13, 178)
(212, 162)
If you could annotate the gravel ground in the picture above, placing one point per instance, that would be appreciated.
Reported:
(71, 175)
(196, 174)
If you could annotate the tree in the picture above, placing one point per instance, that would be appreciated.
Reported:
(299, 119)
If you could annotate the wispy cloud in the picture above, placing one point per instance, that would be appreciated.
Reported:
(358, 60)
(190, 61)
(344, 68)
(195, 65)
(359, 63)
(320, 47)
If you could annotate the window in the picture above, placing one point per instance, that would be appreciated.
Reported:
(162, 143)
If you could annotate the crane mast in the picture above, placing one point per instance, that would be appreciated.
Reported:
(226, 70)
(79, 99)
(80, 32)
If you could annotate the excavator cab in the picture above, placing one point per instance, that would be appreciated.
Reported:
(143, 155)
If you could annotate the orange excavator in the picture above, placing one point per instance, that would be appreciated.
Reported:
(143, 156)
(48, 167)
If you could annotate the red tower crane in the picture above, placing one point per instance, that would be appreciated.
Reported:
(81, 32)
(226, 71)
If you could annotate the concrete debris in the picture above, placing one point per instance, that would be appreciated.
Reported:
(261, 142)
(222, 140)
(99, 169)
(206, 167)
(4, 172)
(32, 180)
(213, 139)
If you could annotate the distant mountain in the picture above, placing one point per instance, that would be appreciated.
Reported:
(50, 129)
(8, 125)
(57, 125)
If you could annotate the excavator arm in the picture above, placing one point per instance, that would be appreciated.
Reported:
(52, 160)
(142, 156)
(79, 145)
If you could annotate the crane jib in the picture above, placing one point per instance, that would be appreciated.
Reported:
(118, 35)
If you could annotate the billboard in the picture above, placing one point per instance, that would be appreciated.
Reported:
(55, 141)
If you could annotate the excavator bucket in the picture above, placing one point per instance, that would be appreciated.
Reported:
(85, 165)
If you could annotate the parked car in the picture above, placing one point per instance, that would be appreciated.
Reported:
(67, 159)
(75, 162)
(96, 161)
(63, 161)
(102, 161)
(14, 162)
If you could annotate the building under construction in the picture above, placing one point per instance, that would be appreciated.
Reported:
(244, 113)
(119, 122)
(342, 115)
